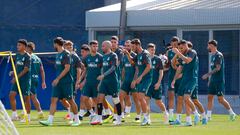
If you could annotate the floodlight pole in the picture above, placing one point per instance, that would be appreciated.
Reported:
(123, 18)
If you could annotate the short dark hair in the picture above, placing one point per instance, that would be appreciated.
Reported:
(136, 41)
(23, 41)
(213, 42)
(114, 38)
(59, 41)
(151, 45)
(175, 39)
(182, 42)
(85, 47)
(68, 42)
(31, 45)
(189, 43)
(93, 42)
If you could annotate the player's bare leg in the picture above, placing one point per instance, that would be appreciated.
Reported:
(162, 107)
(225, 103)
(122, 97)
(128, 105)
(37, 105)
(171, 105)
(210, 106)
(12, 99)
(137, 105)
(179, 107)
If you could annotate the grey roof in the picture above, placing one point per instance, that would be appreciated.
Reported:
(167, 13)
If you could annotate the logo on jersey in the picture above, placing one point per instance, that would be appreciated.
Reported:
(20, 63)
(139, 62)
(105, 63)
(92, 64)
(212, 64)
(58, 62)
(128, 65)
(96, 60)
(35, 61)
(154, 62)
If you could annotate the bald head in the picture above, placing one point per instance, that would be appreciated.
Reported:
(106, 46)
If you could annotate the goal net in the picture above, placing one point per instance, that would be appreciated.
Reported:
(6, 125)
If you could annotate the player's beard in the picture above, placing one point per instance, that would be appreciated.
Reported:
(56, 49)
(209, 50)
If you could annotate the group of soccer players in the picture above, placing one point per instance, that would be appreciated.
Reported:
(120, 72)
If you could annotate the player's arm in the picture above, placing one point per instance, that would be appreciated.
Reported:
(177, 75)
(168, 63)
(130, 58)
(217, 68)
(120, 57)
(174, 62)
(27, 63)
(111, 69)
(80, 68)
(123, 72)
(160, 67)
(160, 74)
(146, 70)
(24, 71)
(148, 66)
(42, 73)
(133, 84)
(66, 63)
(184, 58)
(79, 71)
(83, 74)
(64, 72)
(84, 69)
(136, 73)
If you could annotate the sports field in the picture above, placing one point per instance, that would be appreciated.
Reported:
(220, 125)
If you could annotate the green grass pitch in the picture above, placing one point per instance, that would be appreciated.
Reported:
(220, 125)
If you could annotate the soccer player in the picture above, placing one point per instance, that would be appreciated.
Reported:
(176, 61)
(144, 79)
(216, 80)
(36, 69)
(93, 64)
(109, 83)
(23, 69)
(129, 74)
(155, 90)
(85, 51)
(170, 54)
(76, 69)
(62, 85)
(189, 70)
(194, 97)
(116, 49)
